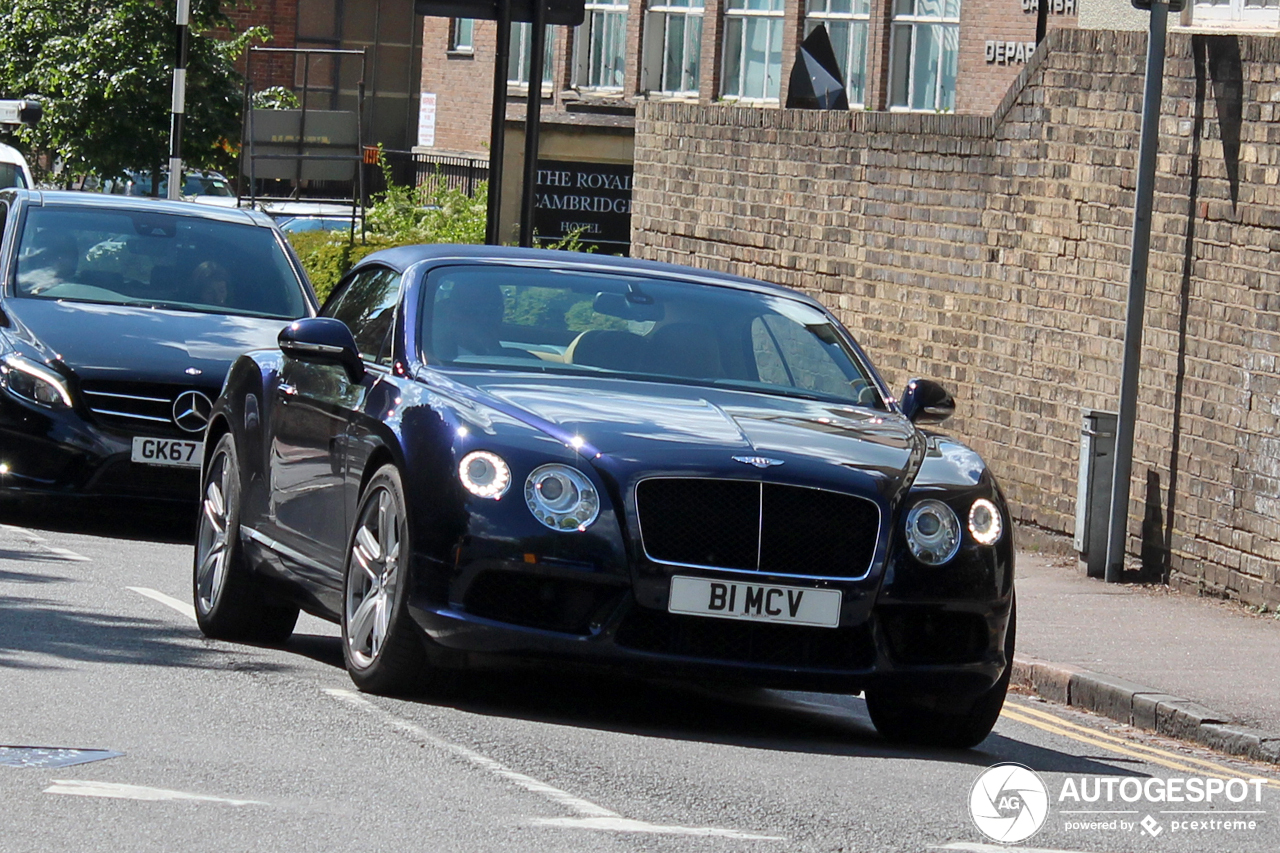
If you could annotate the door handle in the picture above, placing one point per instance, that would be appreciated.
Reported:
(286, 389)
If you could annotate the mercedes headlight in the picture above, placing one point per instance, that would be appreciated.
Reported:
(484, 474)
(561, 497)
(933, 532)
(984, 522)
(33, 382)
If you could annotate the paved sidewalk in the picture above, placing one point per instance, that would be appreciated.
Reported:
(1124, 650)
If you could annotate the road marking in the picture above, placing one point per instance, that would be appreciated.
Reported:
(34, 538)
(592, 816)
(564, 798)
(116, 791)
(182, 607)
(969, 847)
(1173, 761)
(22, 531)
(622, 824)
(67, 554)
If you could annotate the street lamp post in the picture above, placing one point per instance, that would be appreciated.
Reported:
(1142, 205)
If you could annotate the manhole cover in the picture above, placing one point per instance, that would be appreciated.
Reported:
(51, 756)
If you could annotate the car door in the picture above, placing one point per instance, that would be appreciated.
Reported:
(308, 452)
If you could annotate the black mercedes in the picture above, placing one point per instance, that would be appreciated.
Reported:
(635, 465)
(118, 320)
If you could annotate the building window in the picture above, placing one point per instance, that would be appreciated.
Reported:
(673, 47)
(847, 22)
(924, 52)
(521, 44)
(462, 33)
(1237, 14)
(752, 49)
(600, 46)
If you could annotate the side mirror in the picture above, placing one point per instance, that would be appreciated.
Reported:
(927, 402)
(322, 340)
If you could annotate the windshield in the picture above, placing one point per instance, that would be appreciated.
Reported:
(156, 259)
(638, 327)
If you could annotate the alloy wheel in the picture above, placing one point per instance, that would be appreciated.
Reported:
(212, 543)
(373, 575)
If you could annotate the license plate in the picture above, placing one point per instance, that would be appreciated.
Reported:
(171, 452)
(792, 605)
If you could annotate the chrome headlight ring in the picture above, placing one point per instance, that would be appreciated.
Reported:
(933, 532)
(561, 497)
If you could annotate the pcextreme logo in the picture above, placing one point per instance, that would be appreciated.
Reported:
(1009, 802)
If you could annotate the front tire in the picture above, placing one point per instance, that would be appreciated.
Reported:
(383, 652)
(229, 600)
(903, 717)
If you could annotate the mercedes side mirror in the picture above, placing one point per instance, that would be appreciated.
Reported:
(927, 402)
(322, 340)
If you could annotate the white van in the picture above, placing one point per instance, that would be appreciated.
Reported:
(14, 171)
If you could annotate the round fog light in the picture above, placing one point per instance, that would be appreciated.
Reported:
(484, 474)
(984, 522)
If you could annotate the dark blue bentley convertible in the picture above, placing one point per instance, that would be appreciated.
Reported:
(646, 466)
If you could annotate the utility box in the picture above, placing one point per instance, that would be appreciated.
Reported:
(1093, 491)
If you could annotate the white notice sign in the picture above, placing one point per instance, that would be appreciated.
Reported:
(427, 120)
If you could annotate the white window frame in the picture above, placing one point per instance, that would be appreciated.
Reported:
(732, 12)
(952, 23)
(658, 48)
(857, 98)
(1236, 15)
(521, 38)
(595, 29)
(462, 35)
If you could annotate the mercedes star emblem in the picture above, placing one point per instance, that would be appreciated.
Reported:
(758, 461)
(191, 411)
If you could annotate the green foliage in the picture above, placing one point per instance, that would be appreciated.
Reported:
(327, 255)
(105, 72)
(430, 213)
(275, 98)
(401, 216)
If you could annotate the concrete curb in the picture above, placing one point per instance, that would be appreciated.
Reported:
(1144, 707)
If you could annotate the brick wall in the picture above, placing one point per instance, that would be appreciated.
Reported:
(991, 252)
(281, 18)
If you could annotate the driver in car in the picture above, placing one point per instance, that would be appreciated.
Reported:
(54, 264)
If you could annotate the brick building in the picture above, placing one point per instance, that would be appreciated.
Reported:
(898, 55)
(923, 55)
(387, 29)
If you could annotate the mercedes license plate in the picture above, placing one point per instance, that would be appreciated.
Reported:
(171, 452)
(793, 605)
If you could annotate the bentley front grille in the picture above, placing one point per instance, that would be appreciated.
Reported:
(752, 526)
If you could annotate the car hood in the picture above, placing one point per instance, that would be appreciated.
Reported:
(668, 425)
(117, 341)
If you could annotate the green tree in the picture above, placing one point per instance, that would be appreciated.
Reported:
(105, 72)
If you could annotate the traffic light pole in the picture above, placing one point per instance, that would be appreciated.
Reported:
(498, 124)
(1145, 190)
(183, 18)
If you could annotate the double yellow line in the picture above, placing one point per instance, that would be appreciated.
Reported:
(1045, 721)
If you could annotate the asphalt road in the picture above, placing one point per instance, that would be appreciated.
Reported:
(216, 746)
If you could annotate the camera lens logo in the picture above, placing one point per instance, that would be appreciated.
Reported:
(1009, 802)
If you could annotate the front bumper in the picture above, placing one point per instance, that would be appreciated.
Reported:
(553, 613)
(57, 453)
